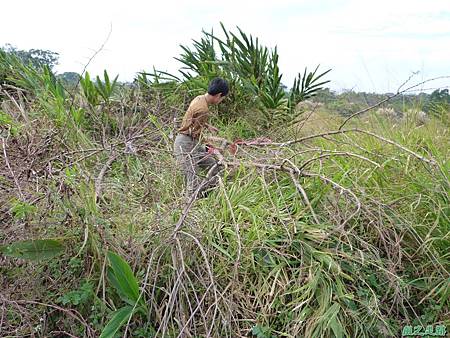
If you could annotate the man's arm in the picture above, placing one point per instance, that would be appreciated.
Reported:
(215, 139)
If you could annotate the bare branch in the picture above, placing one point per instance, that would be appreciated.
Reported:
(390, 98)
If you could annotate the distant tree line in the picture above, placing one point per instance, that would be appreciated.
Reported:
(348, 102)
(37, 58)
(344, 103)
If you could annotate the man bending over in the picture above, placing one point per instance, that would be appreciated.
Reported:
(189, 147)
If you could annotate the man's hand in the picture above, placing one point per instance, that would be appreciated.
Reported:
(217, 139)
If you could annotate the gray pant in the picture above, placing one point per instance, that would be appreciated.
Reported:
(191, 156)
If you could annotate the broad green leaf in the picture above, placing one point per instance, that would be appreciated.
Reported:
(33, 249)
(119, 318)
(122, 277)
(119, 288)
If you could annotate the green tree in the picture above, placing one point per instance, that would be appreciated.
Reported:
(440, 96)
(438, 104)
(36, 57)
(69, 78)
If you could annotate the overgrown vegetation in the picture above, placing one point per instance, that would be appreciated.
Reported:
(322, 232)
(253, 72)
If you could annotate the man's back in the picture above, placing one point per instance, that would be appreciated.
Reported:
(196, 117)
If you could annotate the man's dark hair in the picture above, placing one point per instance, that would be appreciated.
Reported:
(218, 85)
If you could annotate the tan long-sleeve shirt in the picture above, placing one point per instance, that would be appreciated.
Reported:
(196, 118)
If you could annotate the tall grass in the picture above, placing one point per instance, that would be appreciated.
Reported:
(337, 235)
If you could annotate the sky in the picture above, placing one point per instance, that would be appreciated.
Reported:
(371, 46)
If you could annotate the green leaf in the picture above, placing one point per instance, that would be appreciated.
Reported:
(115, 282)
(119, 318)
(262, 332)
(331, 316)
(22, 209)
(33, 249)
(123, 279)
(336, 327)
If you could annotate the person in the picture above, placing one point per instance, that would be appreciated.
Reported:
(190, 143)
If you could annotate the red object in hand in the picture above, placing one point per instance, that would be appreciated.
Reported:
(212, 150)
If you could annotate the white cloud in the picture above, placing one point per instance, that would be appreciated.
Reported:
(371, 46)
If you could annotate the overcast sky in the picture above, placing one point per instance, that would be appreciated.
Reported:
(370, 45)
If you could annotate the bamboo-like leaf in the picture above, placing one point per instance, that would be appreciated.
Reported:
(114, 84)
(333, 321)
(107, 83)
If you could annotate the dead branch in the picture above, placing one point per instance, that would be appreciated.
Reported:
(98, 181)
(345, 190)
(422, 158)
(87, 64)
(10, 169)
(390, 98)
(305, 197)
(335, 132)
(19, 106)
(300, 188)
(345, 153)
(191, 200)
